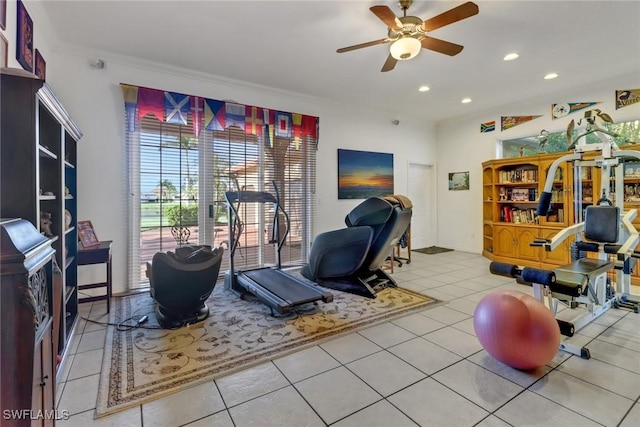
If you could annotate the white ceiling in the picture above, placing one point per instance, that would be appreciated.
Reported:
(291, 45)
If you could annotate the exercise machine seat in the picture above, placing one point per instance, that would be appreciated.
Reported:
(601, 227)
(181, 281)
(359, 251)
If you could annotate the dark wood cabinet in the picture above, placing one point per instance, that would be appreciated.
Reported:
(38, 260)
(38, 175)
(27, 376)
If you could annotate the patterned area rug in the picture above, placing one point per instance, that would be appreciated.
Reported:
(140, 365)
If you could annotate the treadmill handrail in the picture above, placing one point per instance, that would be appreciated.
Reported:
(276, 221)
(234, 198)
(250, 197)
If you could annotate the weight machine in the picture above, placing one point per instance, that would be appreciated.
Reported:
(586, 286)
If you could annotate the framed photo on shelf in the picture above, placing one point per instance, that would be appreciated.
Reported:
(520, 195)
(41, 66)
(4, 52)
(24, 39)
(87, 235)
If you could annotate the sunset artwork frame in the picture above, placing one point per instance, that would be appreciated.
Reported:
(364, 174)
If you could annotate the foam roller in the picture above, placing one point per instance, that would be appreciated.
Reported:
(536, 275)
(587, 246)
(544, 204)
(503, 269)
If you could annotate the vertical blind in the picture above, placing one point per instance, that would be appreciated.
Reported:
(180, 170)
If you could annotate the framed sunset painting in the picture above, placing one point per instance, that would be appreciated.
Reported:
(363, 174)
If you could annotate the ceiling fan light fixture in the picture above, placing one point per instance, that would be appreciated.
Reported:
(405, 48)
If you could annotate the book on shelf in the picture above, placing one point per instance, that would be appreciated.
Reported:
(518, 175)
(558, 175)
(518, 216)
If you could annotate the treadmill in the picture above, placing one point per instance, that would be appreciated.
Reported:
(280, 291)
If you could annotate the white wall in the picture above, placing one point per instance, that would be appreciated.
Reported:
(94, 100)
(461, 147)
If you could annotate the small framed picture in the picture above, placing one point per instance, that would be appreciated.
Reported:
(41, 66)
(3, 14)
(520, 195)
(24, 39)
(458, 180)
(87, 235)
(4, 52)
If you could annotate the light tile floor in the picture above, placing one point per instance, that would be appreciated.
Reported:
(425, 369)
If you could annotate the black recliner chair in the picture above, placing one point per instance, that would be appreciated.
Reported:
(182, 281)
(351, 259)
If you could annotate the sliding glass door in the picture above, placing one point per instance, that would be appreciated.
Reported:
(179, 183)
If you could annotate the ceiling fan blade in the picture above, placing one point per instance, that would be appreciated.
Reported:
(456, 14)
(387, 16)
(441, 46)
(361, 45)
(389, 64)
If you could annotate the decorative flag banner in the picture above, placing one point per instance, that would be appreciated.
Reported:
(197, 110)
(283, 124)
(150, 101)
(507, 122)
(234, 114)
(176, 107)
(253, 120)
(488, 126)
(269, 117)
(296, 119)
(130, 95)
(564, 109)
(214, 115)
(309, 126)
(627, 97)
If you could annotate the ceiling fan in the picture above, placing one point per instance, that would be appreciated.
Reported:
(408, 34)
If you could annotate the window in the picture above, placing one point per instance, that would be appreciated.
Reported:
(627, 133)
(178, 182)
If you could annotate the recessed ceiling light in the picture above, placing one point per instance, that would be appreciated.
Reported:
(550, 76)
(423, 88)
(511, 56)
(466, 100)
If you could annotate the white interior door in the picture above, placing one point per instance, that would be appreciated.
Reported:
(421, 191)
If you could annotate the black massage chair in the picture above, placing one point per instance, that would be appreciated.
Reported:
(182, 281)
(351, 259)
